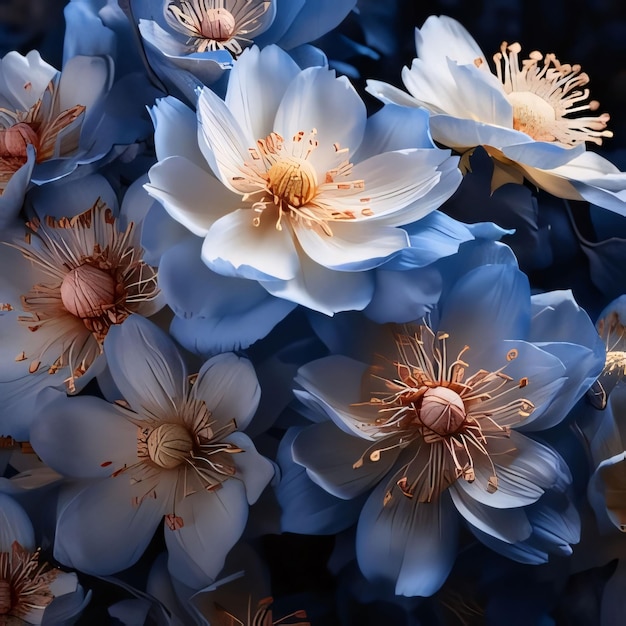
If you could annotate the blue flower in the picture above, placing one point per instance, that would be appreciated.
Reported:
(432, 420)
(176, 453)
(204, 37)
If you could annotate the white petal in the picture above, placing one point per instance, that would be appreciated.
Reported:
(175, 130)
(189, 194)
(315, 99)
(224, 144)
(256, 86)
(353, 245)
(229, 386)
(252, 468)
(235, 247)
(325, 290)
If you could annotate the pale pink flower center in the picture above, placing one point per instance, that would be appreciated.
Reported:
(87, 291)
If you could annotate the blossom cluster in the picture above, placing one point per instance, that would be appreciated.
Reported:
(255, 301)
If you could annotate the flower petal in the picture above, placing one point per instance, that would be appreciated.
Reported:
(315, 99)
(325, 290)
(409, 543)
(524, 469)
(213, 522)
(183, 189)
(146, 366)
(251, 100)
(252, 468)
(83, 437)
(99, 531)
(229, 386)
(352, 246)
(234, 246)
(329, 456)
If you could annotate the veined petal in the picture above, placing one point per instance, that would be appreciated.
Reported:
(524, 469)
(335, 383)
(316, 99)
(189, 194)
(352, 246)
(329, 455)
(393, 180)
(406, 542)
(229, 387)
(212, 523)
(224, 144)
(151, 374)
(251, 100)
(509, 525)
(234, 246)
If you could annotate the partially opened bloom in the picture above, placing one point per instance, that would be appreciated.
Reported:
(176, 454)
(432, 421)
(54, 112)
(205, 37)
(532, 116)
(287, 187)
(71, 279)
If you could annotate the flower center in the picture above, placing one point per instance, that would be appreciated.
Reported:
(426, 404)
(13, 140)
(169, 445)
(293, 182)
(441, 413)
(544, 97)
(87, 291)
(280, 177)
(217, 24)
(5, 596)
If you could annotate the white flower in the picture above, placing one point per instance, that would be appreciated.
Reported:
(532, 117)
(277, 191)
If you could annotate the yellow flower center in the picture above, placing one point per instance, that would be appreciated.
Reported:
(292, 181)
(87, 291)
(545, 93)
(169, 445)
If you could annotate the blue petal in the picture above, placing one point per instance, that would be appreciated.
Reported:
(412, 544)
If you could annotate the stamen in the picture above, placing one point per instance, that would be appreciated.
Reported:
(444, 417)
(545, 96)
(211, 25)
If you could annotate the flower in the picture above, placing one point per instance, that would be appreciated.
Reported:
(431, 421)
(175, 454)
(277, 191)
(205, 37)
(28, 588)
(72, 279)
(613, 332)
(533, 117)
(55, 113)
